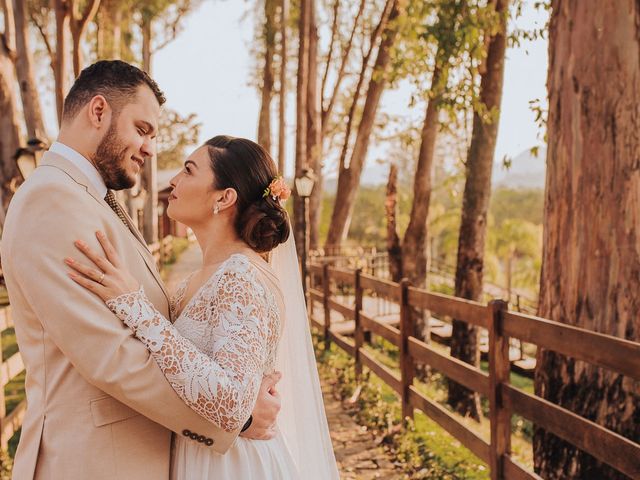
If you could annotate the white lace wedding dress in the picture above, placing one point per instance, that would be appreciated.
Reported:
(215, 355)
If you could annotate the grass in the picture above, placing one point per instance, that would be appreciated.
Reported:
(426, 450)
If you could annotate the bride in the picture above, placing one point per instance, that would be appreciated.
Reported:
(236, 319)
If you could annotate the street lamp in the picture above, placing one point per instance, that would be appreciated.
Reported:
(304, 187)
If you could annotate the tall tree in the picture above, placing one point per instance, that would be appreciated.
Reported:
(349, 175)
(394, 248)
(282, 92)
(475, 204)
(109, 35)
(62, 12)
(314, 127)
(9, 120)
(26, 77)
(591, 224)
(414, 244)
(269, 34)
(302, 160)
(79, 19)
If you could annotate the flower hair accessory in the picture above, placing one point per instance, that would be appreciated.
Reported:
(277, 189)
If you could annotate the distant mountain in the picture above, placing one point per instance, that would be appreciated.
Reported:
(526, 171)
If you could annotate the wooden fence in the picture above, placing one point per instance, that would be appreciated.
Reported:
(615, 354)
(13, 366)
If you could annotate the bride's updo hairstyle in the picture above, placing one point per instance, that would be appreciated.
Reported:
(245, 166)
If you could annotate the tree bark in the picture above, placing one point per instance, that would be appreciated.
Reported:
(264, 122)
(62, 15)
(282, 104)
(475, 204)
(393, 240)
(78, 22)
(109, 30)
(9, 126)
(301, 119)
(592, 220)
(26, 77)
(349, 176)
(328, 110)
(314, 134)
(149, 174)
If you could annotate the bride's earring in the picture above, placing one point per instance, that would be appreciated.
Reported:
(216, 209)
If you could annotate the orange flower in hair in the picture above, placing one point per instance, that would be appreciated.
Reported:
(277, 189)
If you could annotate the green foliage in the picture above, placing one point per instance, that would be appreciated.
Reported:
(424, 450)
(523, 204)
(175, 134)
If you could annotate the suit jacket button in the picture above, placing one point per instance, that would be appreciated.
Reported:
(186, 433)
(208, 442)
(201, 438)
(193, 436)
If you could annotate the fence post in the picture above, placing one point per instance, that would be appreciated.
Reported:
(325, 305)
(499, 368)
(358, 334)
(406, 362)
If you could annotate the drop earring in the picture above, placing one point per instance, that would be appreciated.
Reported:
(216, 209)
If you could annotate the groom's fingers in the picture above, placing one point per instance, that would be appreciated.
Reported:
(270, 381)
(109, 251)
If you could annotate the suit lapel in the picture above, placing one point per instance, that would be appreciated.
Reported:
(53, 160)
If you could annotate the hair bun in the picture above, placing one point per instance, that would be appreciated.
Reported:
(264, 225)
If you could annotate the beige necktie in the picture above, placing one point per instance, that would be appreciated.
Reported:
(110, 198)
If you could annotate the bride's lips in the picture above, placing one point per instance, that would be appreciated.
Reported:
(172, 197)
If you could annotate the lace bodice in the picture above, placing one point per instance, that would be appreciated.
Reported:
(220, 346)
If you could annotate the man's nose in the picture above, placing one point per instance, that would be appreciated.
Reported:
(148, 148)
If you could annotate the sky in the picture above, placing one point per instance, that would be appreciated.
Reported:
(206, 71)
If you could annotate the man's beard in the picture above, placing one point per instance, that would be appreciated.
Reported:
(110, 159)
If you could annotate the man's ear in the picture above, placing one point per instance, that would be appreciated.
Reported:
(99, 111)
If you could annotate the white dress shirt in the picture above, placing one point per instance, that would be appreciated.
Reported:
(83, 164)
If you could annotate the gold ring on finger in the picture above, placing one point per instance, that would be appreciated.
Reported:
(101, 278)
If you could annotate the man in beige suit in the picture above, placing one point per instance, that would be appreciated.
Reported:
(98, 405)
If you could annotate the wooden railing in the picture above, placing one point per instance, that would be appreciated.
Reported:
(10, 367)
(618, 355)
(161, 250)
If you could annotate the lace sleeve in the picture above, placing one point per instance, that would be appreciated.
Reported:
(222, 388)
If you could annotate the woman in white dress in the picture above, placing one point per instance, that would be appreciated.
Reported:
(229, 317)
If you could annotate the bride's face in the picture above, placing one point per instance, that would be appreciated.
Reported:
(192, 199)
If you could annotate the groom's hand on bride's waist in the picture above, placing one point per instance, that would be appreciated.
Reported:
(265, 413)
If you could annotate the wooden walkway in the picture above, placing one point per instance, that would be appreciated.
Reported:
(358, 456)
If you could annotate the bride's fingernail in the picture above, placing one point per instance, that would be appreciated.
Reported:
(68, 260)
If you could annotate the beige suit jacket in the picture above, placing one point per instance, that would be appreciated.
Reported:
(98, 405)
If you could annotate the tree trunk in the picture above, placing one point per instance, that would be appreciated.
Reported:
(26, 78)
(62, 14)
(349, 176)
(264, 122)
(282, 104)
(301, 120)
(149, 176)
(314, 126)
(414, 244)
(393, 240)
(9, 127)
(592, 220)
(328, 110)
(109, 30)
(475, 203)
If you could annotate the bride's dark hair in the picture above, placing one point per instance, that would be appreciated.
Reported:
(248, 168)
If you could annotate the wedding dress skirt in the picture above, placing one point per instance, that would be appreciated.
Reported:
(246, 460)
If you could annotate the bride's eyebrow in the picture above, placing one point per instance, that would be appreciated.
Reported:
(190, 162)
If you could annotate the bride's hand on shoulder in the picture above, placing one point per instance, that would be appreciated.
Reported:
(105, 276)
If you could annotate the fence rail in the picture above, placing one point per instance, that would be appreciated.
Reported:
(618, 355)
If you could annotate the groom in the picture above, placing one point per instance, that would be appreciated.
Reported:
(98, 405)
